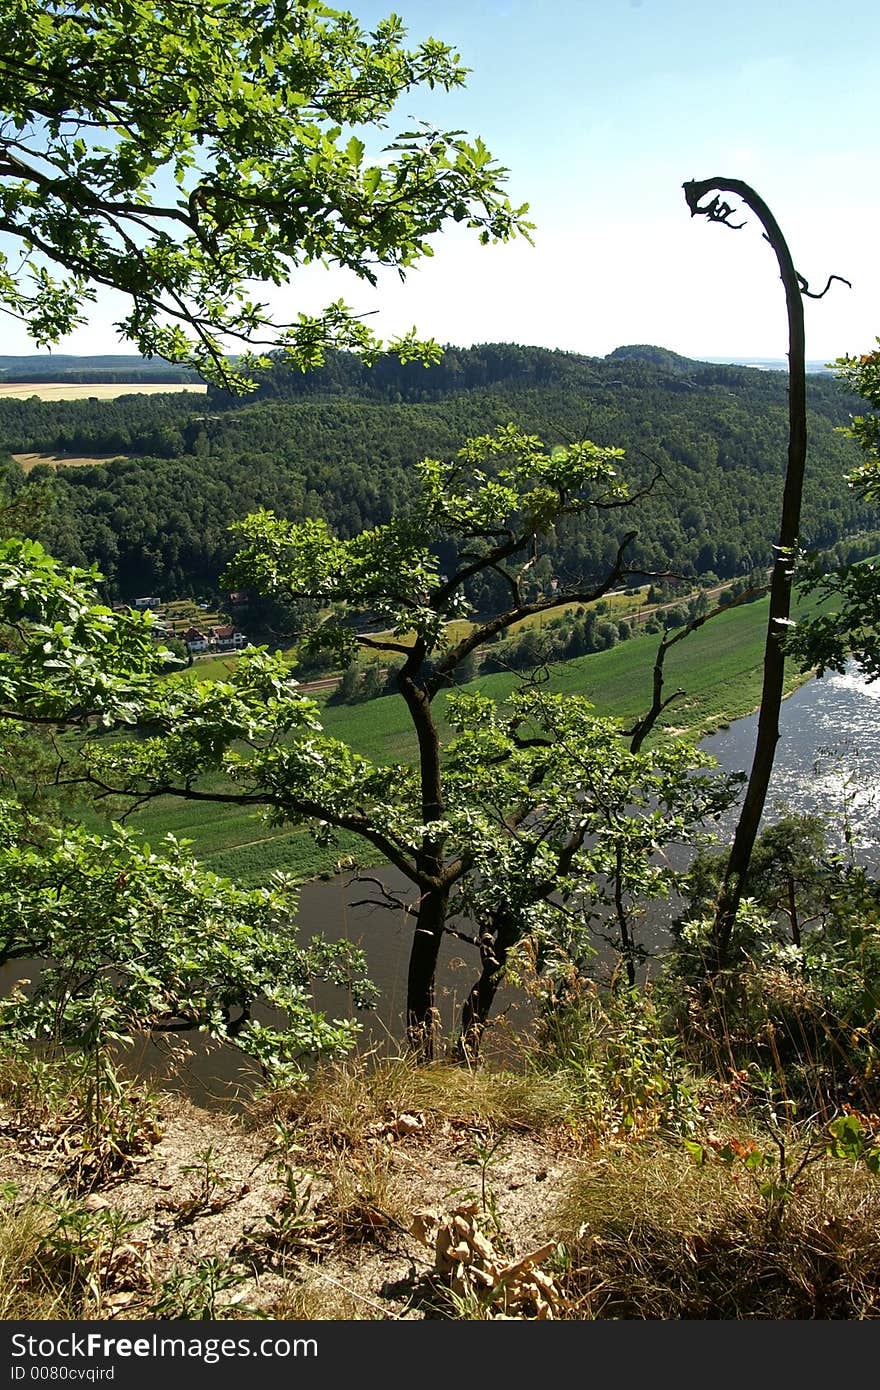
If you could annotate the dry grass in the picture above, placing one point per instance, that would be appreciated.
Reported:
(652, 1235)
(63, 1259)
(304, 1209)
(28, 1289)
(321, 1297)
(346, 1103)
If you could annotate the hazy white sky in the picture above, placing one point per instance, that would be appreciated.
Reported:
(601, 109)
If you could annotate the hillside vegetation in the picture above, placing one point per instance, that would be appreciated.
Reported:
(340, 444)
(702, 1146)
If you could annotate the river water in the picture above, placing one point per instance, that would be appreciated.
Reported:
(827, 759)
(826, 762)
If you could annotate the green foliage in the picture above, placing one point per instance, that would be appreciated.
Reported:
(68, 1258)
(181, 154)
(502, 489)
(630, 1074)
(800, 993)
(137, 940)
(511, 806)
(193, 1294)
(862, 377)
(605, 819)
(852, 629)
(65, 657)
(854, 1139)
(344, 451)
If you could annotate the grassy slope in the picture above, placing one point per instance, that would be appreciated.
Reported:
(719, 667)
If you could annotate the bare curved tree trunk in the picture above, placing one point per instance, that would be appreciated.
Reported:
(733, 885)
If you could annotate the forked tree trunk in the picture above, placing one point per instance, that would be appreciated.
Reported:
(736, 872)
(494, 948)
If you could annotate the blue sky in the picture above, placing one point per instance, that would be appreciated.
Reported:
(601, 109)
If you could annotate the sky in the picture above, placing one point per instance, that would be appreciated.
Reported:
(601, 110)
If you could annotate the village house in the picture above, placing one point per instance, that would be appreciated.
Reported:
(195, 640)
(226, 638)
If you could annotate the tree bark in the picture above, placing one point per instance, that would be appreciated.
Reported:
(494, 948)
(421, 1013)
(421, 1017)
(736, 872)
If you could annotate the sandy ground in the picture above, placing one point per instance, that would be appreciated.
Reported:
(208, 1186)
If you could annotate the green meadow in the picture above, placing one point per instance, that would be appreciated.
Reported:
(718, 667)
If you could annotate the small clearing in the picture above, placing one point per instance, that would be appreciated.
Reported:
(89, 390)
(29, 461)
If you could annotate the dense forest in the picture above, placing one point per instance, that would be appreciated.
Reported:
(340, 444)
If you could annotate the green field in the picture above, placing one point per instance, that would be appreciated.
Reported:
(718, 667)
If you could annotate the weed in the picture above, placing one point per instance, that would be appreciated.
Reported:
(485, 1154)
(193, 1295)
(59, 1258)
(210, 1179)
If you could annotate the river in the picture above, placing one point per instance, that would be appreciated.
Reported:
(826, 762)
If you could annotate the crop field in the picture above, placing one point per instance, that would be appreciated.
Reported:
(619, 604)
(29, 461)
(719, 667)
(89, 390)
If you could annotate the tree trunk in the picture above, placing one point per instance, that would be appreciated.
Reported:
(736, 872)
(494, 947)
(421, 1013)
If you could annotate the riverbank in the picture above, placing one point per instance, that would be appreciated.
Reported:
(610, 1179)
(718, 667)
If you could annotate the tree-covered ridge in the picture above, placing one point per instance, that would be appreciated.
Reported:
(341, 443)
(500, 364)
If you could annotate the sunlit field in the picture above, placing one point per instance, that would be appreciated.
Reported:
(88, 390)
(719, 667)
(29, 461)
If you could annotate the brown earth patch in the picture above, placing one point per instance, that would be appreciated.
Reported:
(216, 1187)
(29, 461)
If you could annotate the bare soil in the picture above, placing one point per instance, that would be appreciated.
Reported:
(207, 1186)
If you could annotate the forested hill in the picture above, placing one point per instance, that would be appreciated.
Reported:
(341, 442)
(112, 367)
(497, 366)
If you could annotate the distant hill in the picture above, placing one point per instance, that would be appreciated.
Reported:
(493, 366)
(40, 367)
(340, 443)
(110, 367)
(658, 356)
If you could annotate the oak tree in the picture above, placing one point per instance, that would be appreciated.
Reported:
(528, 807)
(187, 155)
